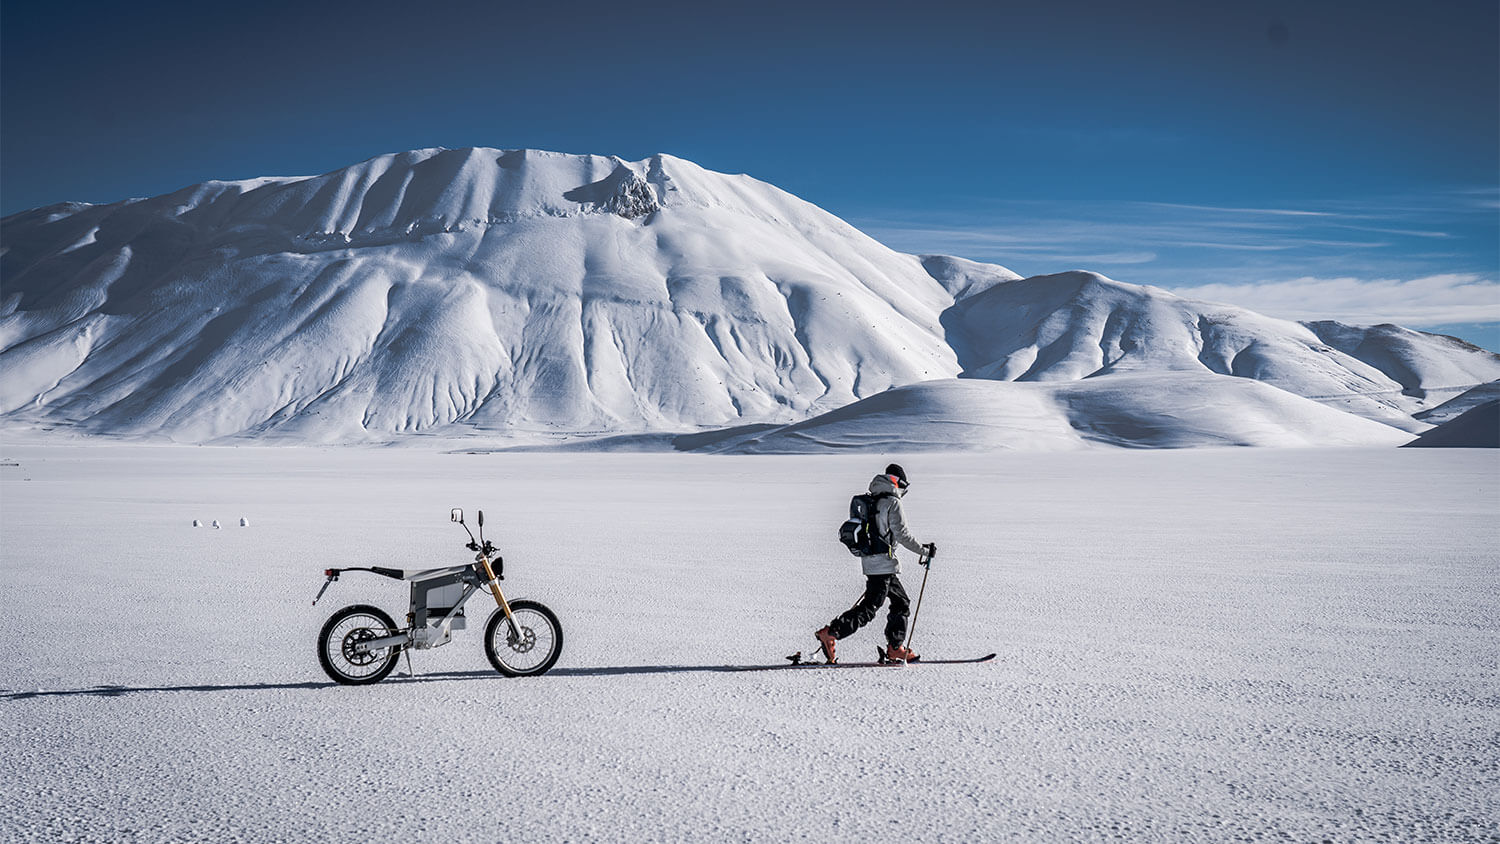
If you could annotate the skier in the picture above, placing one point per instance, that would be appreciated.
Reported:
(881, 574)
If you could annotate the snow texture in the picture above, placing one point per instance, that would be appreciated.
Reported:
(523, 297)
(1196, 645)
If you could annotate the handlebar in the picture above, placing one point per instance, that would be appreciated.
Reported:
(484, 550)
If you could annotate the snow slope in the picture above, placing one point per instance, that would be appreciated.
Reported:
(1462, 403)
(1195, 645)
(1149, 409)
(515, 291)
(1079, 324)
(522, 296)
(1477, 427)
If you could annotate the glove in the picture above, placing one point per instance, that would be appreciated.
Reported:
(931, 550)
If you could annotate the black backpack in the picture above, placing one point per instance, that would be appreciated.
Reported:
(859, 533)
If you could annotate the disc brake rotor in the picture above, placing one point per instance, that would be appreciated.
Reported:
(355, 637)
(524, 643)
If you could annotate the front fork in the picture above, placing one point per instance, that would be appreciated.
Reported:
(494, 586)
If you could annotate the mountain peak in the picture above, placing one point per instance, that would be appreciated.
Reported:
(963, 278)
(517, 292)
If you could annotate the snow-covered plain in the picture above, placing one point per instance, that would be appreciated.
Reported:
(1202, 645)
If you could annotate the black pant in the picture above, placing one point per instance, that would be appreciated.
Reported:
(877, 588)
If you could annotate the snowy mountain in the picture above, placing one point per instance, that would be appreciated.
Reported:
(513, 291)
(1082, 325)
(522, 295)
(1142, 409)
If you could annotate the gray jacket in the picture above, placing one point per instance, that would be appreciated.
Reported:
(891, 523)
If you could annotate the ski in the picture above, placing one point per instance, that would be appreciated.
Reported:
(795, 661)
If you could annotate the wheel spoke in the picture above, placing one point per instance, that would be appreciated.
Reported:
(344, 634)
(526, 642)
(532, 647)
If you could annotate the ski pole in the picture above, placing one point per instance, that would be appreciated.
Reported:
(926, 563)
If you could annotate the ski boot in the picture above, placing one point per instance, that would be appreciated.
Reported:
(898, 653)
(828, 645)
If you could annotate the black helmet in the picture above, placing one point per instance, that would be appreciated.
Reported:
(898, 475)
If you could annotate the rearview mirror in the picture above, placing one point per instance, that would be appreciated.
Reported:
(481, 518)
(457, 515)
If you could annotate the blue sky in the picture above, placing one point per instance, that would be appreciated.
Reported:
(1309, 159)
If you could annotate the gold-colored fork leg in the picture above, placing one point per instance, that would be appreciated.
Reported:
(494, 587)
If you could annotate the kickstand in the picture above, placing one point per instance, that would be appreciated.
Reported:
(409, 671)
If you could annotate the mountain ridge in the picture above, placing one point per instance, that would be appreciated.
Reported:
(521, 294)
(1078, 324)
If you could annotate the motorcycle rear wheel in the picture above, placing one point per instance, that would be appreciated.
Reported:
(341, 634)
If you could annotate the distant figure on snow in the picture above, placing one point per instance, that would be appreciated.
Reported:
(887, 529)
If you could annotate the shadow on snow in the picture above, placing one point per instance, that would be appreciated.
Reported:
(442, 677)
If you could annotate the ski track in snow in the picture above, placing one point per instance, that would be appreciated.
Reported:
(1202, 645)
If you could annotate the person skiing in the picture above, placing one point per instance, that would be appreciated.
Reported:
(882, 574)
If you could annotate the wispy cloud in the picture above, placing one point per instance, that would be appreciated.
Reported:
(1401, 232)
(1240, 247)
(1431, 300)
(1363, 261)
(1275, 212)
(1119, 258)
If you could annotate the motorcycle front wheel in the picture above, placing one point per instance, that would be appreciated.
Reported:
(339, 651)
(526, 652)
